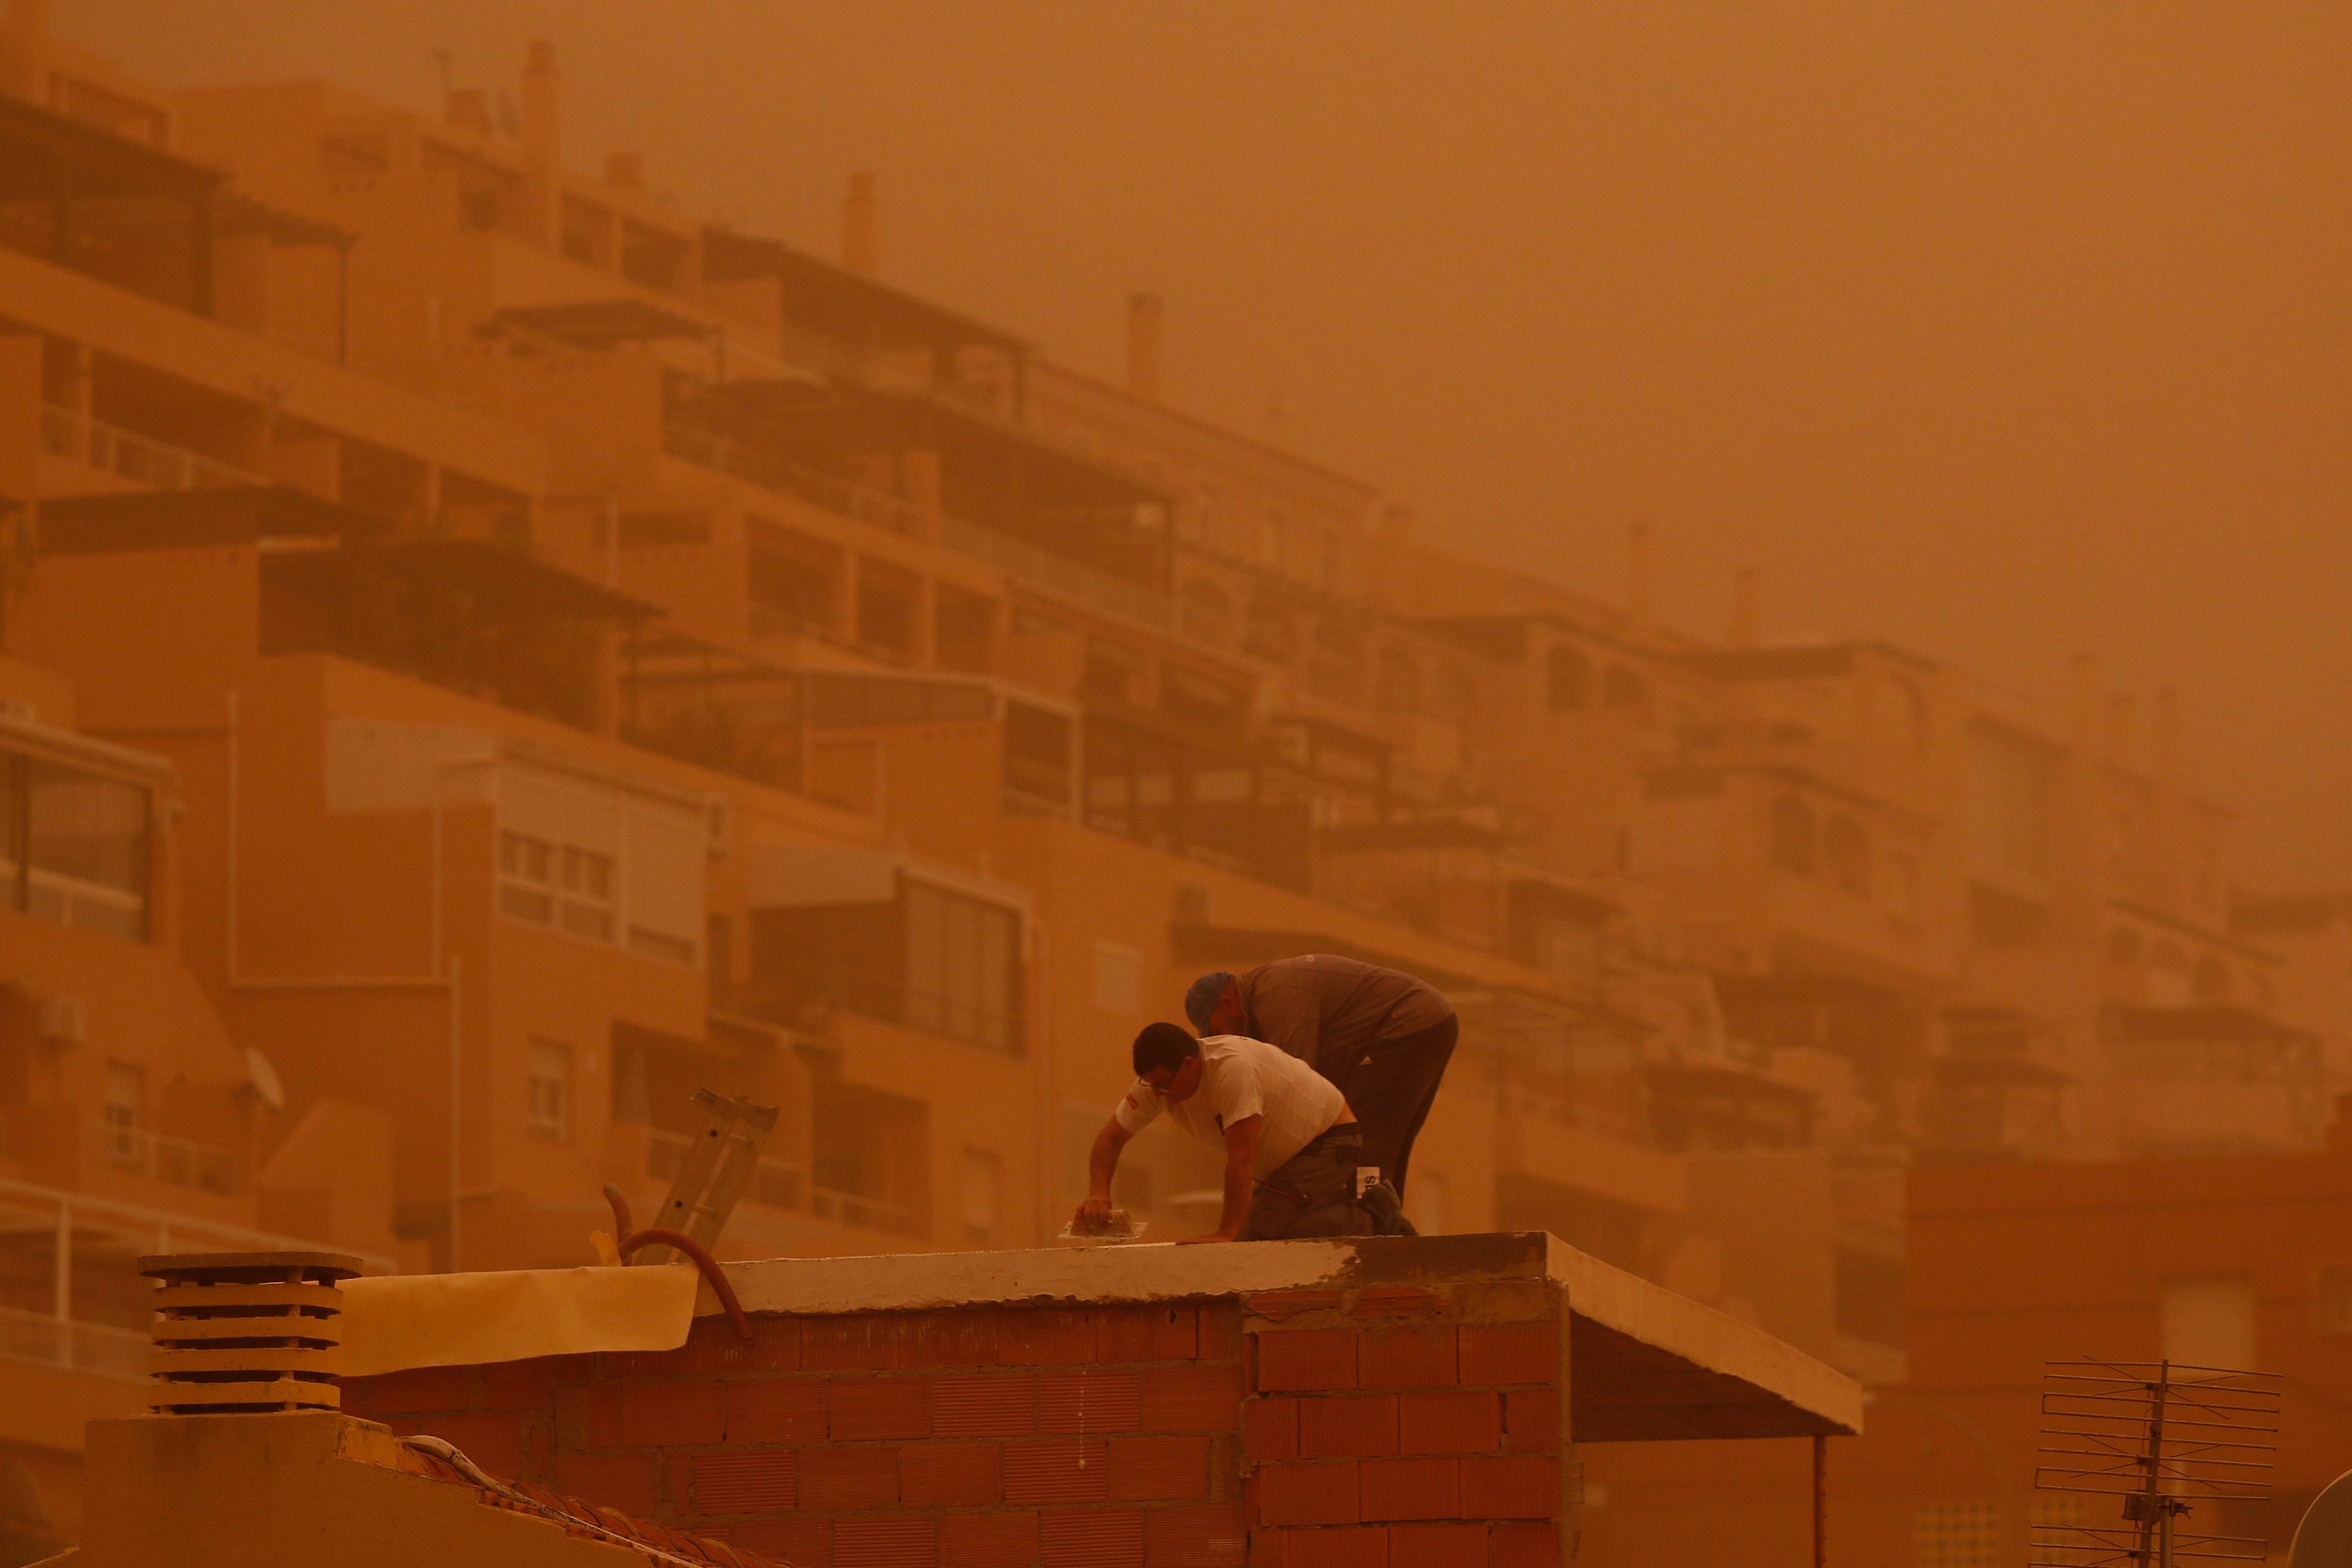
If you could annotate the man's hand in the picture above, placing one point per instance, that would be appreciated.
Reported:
(1093, 1215)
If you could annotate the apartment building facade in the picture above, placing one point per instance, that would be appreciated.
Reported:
(558, 655)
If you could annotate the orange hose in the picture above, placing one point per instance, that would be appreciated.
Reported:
(662, 1236)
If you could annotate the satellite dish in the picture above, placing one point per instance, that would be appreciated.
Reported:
(2323, 1539)
(264, 1079)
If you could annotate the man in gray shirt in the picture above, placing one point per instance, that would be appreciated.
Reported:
(1380, 1036)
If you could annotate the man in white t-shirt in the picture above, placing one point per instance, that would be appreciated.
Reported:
(1291, 1143)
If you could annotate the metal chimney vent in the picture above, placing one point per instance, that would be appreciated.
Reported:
(239, 1333)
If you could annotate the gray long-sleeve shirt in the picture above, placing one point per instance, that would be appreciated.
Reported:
(1327, 1010)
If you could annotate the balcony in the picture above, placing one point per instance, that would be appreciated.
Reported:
(71, 1297)
(175, 1161)
(782, 1186)
(139, 459)
(453, 613)
(771, 472)
(101, 1350)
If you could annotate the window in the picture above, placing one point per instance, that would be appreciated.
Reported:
(1396, 681)
(73, 846)
(1568, 680)
(960, 955)
(123, 1109)
(793, 578)
(1623, 688)
(587, 902)
(526, 877)
(549, 1103)
(982, 1195)
(2208, 1323)
(886, 607)
(1846, 854)
(924, 956)
(964, 629)
(1037, 756)
(602, 862)
(1793, 836)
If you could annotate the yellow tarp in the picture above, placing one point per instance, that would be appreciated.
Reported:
(397, 1320)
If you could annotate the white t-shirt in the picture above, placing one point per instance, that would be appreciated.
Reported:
(1242, 1078)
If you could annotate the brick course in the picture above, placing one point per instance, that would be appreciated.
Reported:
(1381, 1428)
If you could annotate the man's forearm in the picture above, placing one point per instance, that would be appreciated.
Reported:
(1102, 1163)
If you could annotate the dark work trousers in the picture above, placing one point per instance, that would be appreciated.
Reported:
(1313, 1192)
(1390, 1088)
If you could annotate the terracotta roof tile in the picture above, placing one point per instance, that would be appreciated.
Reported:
(644, 1532)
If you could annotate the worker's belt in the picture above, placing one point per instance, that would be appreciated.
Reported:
(1332, 1137)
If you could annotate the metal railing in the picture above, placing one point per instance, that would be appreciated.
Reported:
(776, 1183)
(176, 1161)
(858, 1209)
(142, 460)
(787, 478)
(63, 1342)
(1064, 578)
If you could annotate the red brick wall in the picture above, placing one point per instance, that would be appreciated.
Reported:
(1406, 1428)
(1372, 1430)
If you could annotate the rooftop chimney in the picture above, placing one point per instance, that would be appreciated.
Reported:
(468, 109)
(1746, 611)
(247, 1333)
(1641, 574)
(858, 224)
(1146, 339)
(626, 170)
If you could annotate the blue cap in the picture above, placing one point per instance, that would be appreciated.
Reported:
(1201, 997)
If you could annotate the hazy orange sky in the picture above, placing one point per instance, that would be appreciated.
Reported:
(2002, 330)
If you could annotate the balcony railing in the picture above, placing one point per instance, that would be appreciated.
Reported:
(1065, 579)
(81, 439)
(869, 1214)
(787, 478)
(1062, 577)
(776, 1183)
(175, 1160)
(72, 1346)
